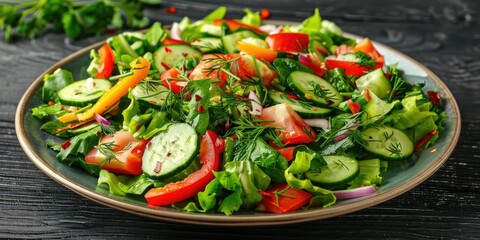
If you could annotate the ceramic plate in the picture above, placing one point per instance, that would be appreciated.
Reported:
(401, 176)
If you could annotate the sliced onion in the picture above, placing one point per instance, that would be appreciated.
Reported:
(256, 106)
(304, 58)
(354, 193)
(322, 123)
(269, 28)
(175, 31)
(341, 135)
(101, 120)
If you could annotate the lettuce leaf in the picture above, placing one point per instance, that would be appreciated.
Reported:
(409, 116)
(122, 184)
(251, 18)
(369, 175)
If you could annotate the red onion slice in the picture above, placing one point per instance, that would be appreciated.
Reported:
(354, 193)
(256, 106)
(304, 58)
(101, 120)
(322, 123)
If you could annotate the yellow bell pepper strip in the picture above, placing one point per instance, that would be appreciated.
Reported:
(140, 68)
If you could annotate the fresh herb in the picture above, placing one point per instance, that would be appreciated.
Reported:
(400, 86)
(387, 136)
(365, 60)
(219, 64)
(76, 18)
(395, 149)
(107, 150)
(320, 92)
(277, 193)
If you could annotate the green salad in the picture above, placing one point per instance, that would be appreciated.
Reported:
(224, 115)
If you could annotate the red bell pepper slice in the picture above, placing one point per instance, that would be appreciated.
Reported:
(283, 198)
(234, 25)
(107, 62)
(171, 41)
(354, 107)
(288, 42)
(434, 97)
(424, 140)
(211, 148)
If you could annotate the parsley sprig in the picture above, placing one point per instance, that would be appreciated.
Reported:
(76, 18)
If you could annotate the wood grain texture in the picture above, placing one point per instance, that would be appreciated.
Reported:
(444, 35)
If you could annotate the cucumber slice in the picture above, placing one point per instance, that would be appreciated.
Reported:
(230, 41)
(153, 94)
(304, 109)
(376, 82)
(171, 54)
(388, 143)
(171, 151)
(315, 46)
(311, 87)
(83, 92)
(338, 171)
(208, 44)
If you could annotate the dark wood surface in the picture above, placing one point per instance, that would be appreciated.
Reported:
(444, 35)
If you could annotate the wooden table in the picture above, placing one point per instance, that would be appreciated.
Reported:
(443, 35)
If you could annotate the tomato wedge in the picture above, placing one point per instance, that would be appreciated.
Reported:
(288, 42)
(234, 25)
(206, 68)
(295, 131)
(211, 148)
(283, 198)
(107, 62)
(367, 47)
(126, 150)
(314, 63)
(260, 53)
(354, 107)
(245, 69)
(170, 79)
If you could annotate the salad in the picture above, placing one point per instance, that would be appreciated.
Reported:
(224, 115)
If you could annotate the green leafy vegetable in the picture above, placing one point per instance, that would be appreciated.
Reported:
(52, 83)
(285, 66)
(251, 18)
(46, 110)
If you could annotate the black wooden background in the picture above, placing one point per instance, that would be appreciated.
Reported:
(444, 35)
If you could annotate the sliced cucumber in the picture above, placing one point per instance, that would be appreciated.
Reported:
(311, 87)
(376, 82)
(83, 92)
(315, 46)
(230, 41)
(153, 94)
(208, 44)
(212, 30)
(304, 109)
(169, 55)
(171, 151)
(338, 171)
(388, 143)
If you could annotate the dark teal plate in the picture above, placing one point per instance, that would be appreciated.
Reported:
(401, 177)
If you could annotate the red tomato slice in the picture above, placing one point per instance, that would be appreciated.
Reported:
(107, 62)
(260, 53)
(171, 41)
(367, 47)
(289, 199)
(288, 42)
(201, 71)
(234, 25)
(245, 70)
(287, 152)
(350, 67)
(211, 149)
(170, 79)
(296, 130)
(314, 63)
(127, 150)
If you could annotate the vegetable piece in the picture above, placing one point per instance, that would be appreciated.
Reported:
(355, 193)
(167, 57)
(288, 42)
(140, 68)
(366, 46)
(259, 52)
(375, 82)
(247, 69)
(52, 83)
(210, 66)
(388, 143)
(302, 108)
(338, 171)
(107, 63)
(211, 148)
(118, 153)
(313, 88)
(229, 41)
(287, 152)
(296, 130)
(354, 107)
(171, 151)
(234, 25)
(425, 139)
(83, 92)
(283, 198)
(313, 62)
(172, 80)
(171, 41)
(152, 94)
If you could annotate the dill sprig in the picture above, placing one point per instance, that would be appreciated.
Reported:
(365, 60)
(320, 92)
(219, 64)
(395, 149)
(399, 85)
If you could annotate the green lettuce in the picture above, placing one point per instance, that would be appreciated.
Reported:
(123, 184)
(52, 83)
(409, 116)
(251, 18)
(369, 175)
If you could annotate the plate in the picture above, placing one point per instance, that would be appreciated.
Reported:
(400, 178)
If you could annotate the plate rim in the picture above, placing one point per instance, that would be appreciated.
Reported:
(255, 219)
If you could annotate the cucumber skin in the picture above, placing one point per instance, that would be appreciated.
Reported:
(277, 99)
(181, 167)
(390, 157)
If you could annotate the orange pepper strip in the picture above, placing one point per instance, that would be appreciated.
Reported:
(69, 117)
(140, 68)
